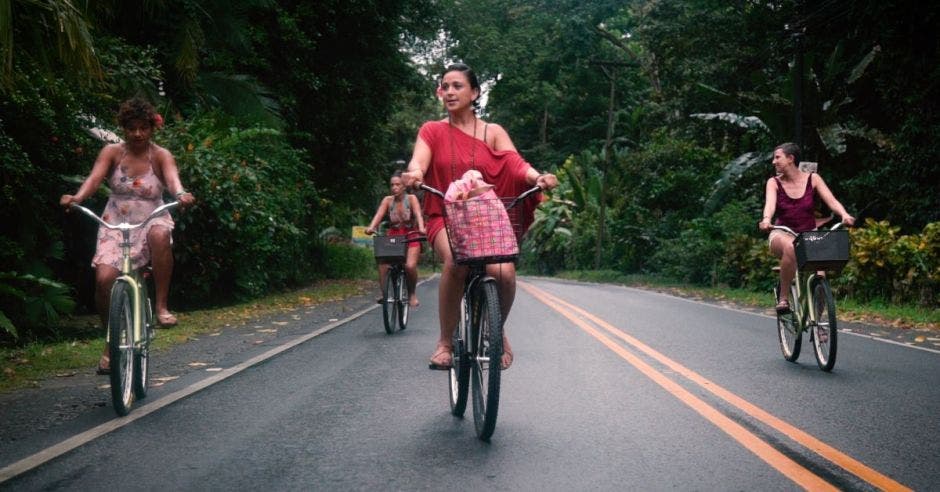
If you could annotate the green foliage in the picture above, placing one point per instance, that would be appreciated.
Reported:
(32, 302)
(884, 265)
(249, 232)
(342, 260)
(708, 249)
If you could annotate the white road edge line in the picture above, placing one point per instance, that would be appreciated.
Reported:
(727, 308)
(77, 440)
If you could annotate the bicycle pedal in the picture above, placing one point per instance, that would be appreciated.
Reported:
(437, 367)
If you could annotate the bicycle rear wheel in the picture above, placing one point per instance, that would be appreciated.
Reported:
(121, 348)
(486, 335)
(824, 333)
(142, 353)
(401, 298)
(388, 304)
(788, 327)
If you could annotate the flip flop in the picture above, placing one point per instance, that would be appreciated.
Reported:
(783, 307)
(436, 363)
(166, 320)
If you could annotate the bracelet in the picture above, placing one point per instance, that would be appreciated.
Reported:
(181, 193)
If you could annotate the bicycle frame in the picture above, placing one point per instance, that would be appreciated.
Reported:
(128, 275)
(804, 291)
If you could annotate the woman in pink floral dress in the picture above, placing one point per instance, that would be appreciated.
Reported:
(138, 172)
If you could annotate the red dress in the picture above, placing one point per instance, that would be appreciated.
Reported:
(453, 153)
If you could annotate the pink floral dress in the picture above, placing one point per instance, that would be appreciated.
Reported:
(132, 199)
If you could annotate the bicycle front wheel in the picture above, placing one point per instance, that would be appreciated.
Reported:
(121, 348)
(401, 291)
(824, 333)
(486, 335)
(388, 303)
(142, 353)
(788, 327)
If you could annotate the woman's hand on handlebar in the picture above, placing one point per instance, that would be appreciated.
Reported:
(66, 201)
(765, 225)
(412, 179)
(546, 181)
(848, 220)
(186, 199)
(370, 231)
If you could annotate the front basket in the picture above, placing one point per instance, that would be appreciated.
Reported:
(822, 250)
(390, 248)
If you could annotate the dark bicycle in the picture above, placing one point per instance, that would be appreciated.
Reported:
(393, 250)
(478, 339)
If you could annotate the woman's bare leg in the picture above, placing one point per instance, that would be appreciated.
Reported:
(449, 293)
(161, 257)
(505, 275)
(782, 247)
(383, 272)
(411, 275)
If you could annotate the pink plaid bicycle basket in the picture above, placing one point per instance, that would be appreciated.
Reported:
(481, 230)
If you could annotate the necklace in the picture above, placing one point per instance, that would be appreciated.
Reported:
(453, 155)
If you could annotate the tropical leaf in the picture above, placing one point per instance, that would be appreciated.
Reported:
(859, 69)
(749, 122)
(7, 325)
(730, 174)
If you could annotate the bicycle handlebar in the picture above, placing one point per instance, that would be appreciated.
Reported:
(791, 231)
(124, 225)
(516, 200)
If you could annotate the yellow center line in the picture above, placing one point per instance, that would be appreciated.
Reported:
(828, 452)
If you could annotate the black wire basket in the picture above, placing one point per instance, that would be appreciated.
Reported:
(822, 250)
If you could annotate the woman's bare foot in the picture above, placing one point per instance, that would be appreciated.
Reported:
(104, 363)
(413, 301)
(506, 360)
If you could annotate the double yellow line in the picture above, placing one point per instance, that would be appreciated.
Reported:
(785, 465)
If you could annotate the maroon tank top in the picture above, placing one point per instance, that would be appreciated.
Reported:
(796, 213)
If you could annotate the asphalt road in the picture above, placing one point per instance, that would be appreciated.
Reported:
(612, 388)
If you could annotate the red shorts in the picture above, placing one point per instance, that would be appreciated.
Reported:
(434, 225)
(403, 231)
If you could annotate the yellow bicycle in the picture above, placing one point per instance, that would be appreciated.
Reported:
(130, 321)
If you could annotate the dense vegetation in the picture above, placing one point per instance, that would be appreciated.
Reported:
(287, 116)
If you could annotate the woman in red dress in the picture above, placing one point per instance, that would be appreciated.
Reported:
(443, 152)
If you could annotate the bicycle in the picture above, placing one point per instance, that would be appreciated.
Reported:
(395, 302)
(130, 321)
(477, 347)
(813, 306)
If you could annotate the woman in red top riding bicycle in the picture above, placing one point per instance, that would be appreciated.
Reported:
(443, 152)
(796, 213)
(404, 216)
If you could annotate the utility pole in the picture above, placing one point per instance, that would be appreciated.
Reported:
(798, 35)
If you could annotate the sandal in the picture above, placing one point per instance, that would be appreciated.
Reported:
(442, 359)
(783, 307)
(167, 320)
(104, 366)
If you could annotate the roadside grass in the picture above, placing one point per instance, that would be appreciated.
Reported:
(878, 312)
(25, 366)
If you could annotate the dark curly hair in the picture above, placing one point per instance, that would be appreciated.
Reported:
(136, 108)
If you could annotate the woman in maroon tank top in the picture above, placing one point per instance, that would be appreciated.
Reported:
(790, 196)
